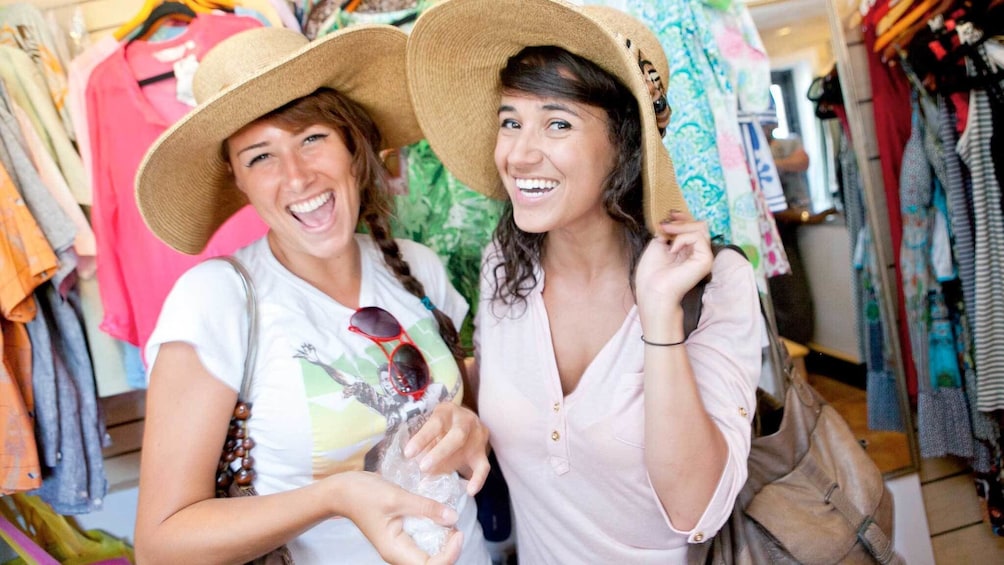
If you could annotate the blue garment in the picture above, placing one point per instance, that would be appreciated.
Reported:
(74, 434)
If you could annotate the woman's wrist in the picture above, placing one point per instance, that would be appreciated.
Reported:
(663, 328)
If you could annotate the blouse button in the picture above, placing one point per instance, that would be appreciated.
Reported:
(742, 412)
(555, 435)
(557, 406)
(699, 537)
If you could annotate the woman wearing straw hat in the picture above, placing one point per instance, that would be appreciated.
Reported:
(621, 439)
(294, 128)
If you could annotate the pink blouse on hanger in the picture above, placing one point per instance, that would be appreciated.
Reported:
(136, 270)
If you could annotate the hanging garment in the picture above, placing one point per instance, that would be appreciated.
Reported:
(891, 103)
(988, 223)
(55, 224)
(764, 177)
(453, 220)
(741, 80)
(48, 172)
(23, 26)
(26, 262)
(26, 88)
(914, 200)
(854, 218)
(76, 99)
(135, 269)
(68, 425)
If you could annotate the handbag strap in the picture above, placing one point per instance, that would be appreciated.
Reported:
(869, 533)
(252, 312)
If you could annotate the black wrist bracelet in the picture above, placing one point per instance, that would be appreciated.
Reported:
(647, 342)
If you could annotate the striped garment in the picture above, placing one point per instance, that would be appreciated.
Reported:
(988, 222)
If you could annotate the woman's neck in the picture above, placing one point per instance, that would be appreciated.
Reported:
(339, 276)
(587, 254)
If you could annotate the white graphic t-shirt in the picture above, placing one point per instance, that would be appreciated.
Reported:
(321, 400)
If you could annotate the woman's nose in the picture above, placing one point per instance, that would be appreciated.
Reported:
(526, 149)
(296, 172)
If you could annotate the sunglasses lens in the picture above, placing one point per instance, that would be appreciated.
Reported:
(376, 322)
(409, 371)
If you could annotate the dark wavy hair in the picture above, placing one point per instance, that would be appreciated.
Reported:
(362, 138)
(554, 72)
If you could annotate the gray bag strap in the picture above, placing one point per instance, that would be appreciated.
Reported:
(252, 311)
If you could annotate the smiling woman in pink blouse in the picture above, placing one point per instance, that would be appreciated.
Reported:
(622, 439)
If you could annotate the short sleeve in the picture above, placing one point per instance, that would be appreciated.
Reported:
(428, 268)
(207, 309)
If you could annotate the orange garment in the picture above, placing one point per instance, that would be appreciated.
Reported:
(19, 466)
(26, 261)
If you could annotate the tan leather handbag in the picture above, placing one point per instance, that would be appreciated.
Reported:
(813, 495)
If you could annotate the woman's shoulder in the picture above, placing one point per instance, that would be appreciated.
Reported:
(413, 251)
(731, 266)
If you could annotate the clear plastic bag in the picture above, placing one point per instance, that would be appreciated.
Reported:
(404, 472)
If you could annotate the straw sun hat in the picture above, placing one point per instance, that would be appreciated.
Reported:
(184, 189)
(458, 47)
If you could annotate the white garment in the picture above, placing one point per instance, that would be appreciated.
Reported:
(305, 424)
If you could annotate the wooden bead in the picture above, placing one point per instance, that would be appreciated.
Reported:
(223, 481)
(244, 477)
(247, 462)
(242, 411)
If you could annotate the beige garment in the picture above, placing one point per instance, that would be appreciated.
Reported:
(27, 89)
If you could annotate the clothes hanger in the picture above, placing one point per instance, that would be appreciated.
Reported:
(906, 22)
(168, 11)
(162, 13)
(902, 33)
(892, 16)
(198, 6)
(123, 31)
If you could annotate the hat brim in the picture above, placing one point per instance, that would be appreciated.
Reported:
(184, 189)
(455, 53)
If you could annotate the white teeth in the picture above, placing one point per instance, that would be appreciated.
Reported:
(310, 205)
(535, 184)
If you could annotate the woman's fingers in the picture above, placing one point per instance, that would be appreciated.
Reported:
(433, 428)
(452, 439)
(479, 474)
(417, 505)
(451, 550)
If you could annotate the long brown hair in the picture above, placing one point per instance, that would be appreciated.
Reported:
(553, 72)
(361, 137)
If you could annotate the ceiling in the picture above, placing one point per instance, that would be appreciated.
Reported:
(774, 14)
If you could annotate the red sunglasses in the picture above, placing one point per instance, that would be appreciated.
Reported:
(409, 372)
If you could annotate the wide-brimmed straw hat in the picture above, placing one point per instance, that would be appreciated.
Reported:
(183, 187)
(458, 47)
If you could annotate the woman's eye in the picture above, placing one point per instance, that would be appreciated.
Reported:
(559, 124)
(314, 137)
(509, 123)
(257, 159)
